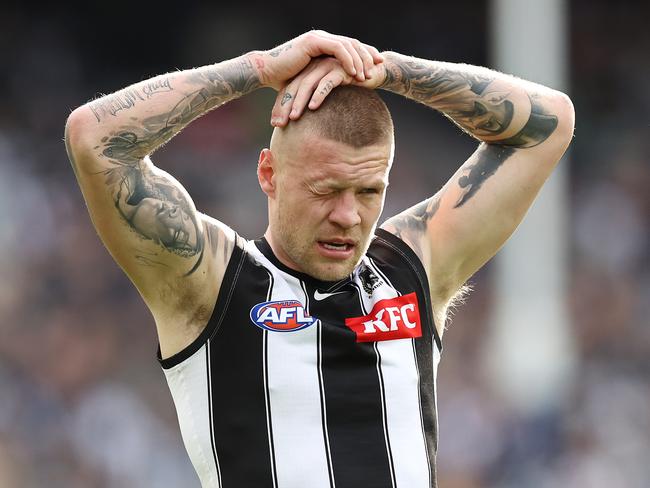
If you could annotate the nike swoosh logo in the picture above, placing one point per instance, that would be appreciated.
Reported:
(322, 296)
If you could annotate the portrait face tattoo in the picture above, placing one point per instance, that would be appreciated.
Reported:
(158, 212)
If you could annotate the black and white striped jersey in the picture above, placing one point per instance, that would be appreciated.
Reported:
(300, 383)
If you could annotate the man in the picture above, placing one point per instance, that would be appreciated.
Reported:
(307, 358)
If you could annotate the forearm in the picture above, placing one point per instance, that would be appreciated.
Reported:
(491, 106)
(151, 112)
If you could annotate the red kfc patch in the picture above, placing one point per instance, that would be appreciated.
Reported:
(392, 318)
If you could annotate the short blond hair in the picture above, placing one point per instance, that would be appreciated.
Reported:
(352, 115)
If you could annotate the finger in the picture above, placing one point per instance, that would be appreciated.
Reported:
(322, 45)
(307, 86)
(282, 106)
(366, 57)
(356, 57)
(325, 86)
(286, 97)
(376, 55)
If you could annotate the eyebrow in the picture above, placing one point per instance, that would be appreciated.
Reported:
(329, 184)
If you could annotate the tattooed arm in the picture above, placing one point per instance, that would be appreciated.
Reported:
(524, 129)
(175, 255)
(144, 216)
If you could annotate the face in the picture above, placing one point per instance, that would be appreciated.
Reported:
(164, 222)
(326, 200)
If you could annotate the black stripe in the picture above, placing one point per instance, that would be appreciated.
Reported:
(358, 290)
(423, 350)
(424, 435)
(384, 277)
(237, 379)
(323, 407)
(353, 398)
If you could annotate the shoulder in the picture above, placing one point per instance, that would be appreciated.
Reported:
(187, 303)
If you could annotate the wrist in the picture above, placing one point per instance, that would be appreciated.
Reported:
(256, 59)
(394, 76)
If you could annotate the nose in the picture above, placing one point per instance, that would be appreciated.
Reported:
(345, 212)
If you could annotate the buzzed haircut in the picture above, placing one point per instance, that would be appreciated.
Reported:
(352, 115)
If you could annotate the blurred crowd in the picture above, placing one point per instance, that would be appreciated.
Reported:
(83, 401)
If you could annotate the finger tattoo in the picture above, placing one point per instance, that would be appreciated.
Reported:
(285, 98)
(328, 87)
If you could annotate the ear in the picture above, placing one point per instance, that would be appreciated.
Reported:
(266, 172)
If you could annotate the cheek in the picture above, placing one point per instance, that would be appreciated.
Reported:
(371, 211)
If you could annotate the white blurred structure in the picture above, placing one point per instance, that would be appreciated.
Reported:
(530, 355)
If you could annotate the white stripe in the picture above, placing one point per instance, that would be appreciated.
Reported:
(294, 394)
(214, 444)
(436, 362)
(189, 386)
(383, 414)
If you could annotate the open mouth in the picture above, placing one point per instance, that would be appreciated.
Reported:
(336, 249)
(336, 246)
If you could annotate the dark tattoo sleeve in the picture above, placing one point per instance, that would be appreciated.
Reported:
(489, 158)
(480, 101)
(477, 100)
(153, 205)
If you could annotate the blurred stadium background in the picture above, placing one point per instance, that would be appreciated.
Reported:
(83, 402)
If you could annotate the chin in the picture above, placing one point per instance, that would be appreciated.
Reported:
(333, 272)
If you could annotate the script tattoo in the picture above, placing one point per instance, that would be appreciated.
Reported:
(152, 203)
(478, 103)
(127, 98)
(156, 86)
(327, 88)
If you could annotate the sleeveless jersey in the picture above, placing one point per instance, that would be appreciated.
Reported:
(300, 383)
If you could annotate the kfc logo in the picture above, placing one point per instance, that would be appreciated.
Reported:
(392, 318)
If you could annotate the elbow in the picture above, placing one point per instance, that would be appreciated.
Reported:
(78, 132)
(74, 127)
(566, 118)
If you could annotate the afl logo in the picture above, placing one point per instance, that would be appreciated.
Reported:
(281, 316)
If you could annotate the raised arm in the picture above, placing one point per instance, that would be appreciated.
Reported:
(524, 128)
(173, 254)
(138, 209)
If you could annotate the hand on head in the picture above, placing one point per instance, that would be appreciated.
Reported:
(312, 85)
(305, 69)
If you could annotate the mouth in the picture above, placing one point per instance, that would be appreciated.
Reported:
(336, 248)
